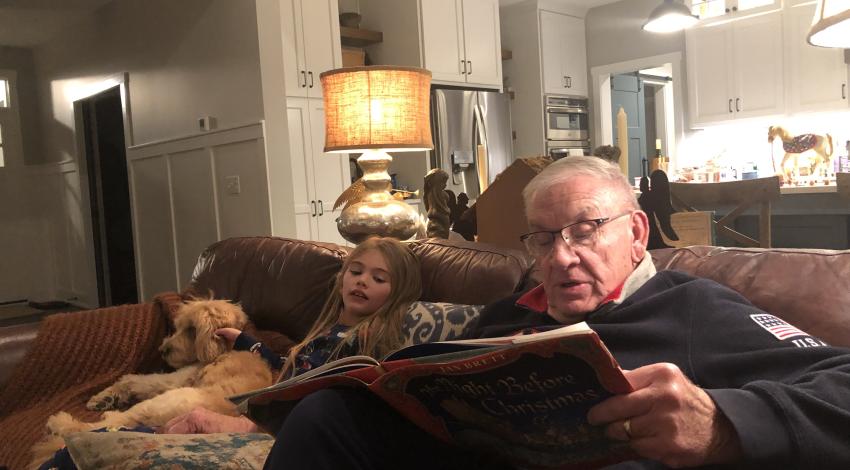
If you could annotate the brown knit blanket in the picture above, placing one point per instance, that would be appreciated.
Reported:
(74, 356)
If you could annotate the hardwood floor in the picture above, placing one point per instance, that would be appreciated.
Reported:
(16, 314)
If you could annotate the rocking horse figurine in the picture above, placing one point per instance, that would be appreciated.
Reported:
(797, 145)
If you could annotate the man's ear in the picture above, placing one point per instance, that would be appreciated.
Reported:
(640, 235)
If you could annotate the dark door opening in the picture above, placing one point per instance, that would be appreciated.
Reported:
(109, 196)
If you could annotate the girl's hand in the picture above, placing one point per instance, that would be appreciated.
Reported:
(228, 334)
(203, 421)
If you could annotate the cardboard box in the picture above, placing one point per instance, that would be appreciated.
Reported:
(353, 57)
(499, 210)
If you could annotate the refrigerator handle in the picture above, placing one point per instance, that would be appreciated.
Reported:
(480, 139)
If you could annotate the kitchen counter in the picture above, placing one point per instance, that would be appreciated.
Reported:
(803, 217)
(808, 189)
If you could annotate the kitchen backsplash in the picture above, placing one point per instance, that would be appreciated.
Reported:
(741, 145)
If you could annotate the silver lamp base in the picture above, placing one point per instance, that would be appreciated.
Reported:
(377, 213)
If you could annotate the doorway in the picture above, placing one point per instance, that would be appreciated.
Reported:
(109, 197)
(627, 92)
(653, 88)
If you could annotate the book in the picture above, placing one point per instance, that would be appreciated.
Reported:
(523, 398)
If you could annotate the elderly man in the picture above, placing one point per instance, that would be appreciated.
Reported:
(713, 384)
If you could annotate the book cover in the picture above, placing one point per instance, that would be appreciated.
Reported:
(522, 398)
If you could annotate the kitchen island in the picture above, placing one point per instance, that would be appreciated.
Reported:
(803, 217)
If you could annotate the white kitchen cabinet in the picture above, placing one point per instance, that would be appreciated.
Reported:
(817, 76)
(562, 44)
(318, 178)
(442, 39)
(735, 69)
(482, 42)
(723, 10)
(311, 44)
(457, 40)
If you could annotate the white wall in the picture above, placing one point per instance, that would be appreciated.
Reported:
(24, 266)
(614, 35)
(21, 61)
(25, 272)
(183, 200)
(185, 59)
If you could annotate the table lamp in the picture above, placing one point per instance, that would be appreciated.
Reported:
(375, 110)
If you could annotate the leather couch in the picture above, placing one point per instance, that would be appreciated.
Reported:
(282, 283)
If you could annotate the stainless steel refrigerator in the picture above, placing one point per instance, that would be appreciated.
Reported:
(472, 137)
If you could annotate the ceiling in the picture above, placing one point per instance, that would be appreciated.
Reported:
(28, 23)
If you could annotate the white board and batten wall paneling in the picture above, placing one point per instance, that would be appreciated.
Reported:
(185, 196)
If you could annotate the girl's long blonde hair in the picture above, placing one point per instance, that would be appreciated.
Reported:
(379, 333)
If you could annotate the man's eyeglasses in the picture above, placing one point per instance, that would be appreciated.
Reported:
(581, 233)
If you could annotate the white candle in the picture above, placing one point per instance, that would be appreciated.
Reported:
(623, 140)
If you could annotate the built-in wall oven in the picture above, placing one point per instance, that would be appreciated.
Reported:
(567, 125)
(563, 148)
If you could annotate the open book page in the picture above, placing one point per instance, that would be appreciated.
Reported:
(338, 366)
(445, 347)
(574, 329)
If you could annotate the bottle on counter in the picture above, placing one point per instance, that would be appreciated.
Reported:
(659, 162)
(844, 160)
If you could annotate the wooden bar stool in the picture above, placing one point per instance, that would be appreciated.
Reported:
(842, 181)
(740, 195)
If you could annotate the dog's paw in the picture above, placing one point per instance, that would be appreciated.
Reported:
(116, 397)
(102, 401)
(63, 423)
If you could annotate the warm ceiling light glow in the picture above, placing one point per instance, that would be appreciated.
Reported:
(831, 24)
(669, 17)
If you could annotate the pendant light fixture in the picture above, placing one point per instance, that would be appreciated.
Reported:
(831, 24)
(669, 17)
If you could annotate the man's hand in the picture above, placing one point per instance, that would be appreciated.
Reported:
(203, 421)
(670, 419)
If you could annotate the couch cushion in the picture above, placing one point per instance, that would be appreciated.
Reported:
(125, 450)
(469, 273)
(281, 283)
(427, 322)
(807, 288)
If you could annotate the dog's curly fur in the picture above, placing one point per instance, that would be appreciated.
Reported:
(207, 372)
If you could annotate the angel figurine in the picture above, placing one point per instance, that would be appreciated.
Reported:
(437, 203)
(655, 201)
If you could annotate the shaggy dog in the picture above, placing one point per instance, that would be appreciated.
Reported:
(207, 373)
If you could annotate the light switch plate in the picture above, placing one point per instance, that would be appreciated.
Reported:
(231, 185)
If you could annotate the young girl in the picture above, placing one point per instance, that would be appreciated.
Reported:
(363, 315)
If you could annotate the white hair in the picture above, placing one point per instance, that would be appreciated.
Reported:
(568, 167)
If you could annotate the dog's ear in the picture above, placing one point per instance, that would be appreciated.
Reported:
(207, 345)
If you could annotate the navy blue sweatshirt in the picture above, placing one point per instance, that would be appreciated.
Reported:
(786, 393)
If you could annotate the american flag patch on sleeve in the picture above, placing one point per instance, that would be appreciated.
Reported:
(777, 327)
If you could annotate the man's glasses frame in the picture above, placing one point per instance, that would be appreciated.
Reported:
(581, 233)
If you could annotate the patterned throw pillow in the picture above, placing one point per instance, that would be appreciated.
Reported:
(427, 322)
(136, 450)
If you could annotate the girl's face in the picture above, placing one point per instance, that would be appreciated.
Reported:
(365, 287)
